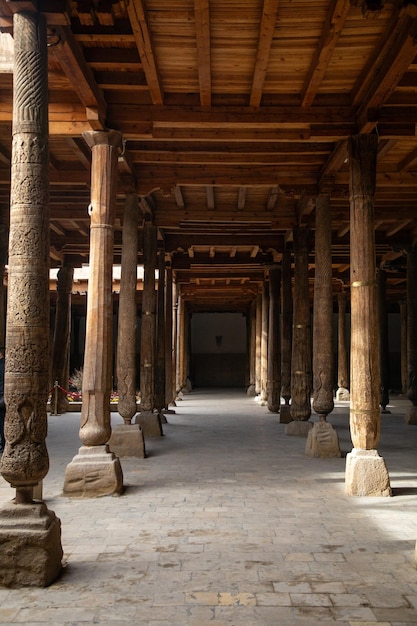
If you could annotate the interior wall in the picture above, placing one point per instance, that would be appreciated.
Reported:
(218, 350)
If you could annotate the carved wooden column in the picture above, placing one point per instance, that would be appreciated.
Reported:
(274, 340)
(383, 340)
(4, 244)
(258, 343)
(301, 339)
(30, 534)
(160, 339)
(412, 333)
(149, 421)
(96, 471)
(61, 341)
(322, 439)
(127, 439)
(366, 473)
(286, 337)
(403, 323)
(264, 342)
(342, 362)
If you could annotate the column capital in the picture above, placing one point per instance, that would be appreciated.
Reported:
(113, 138)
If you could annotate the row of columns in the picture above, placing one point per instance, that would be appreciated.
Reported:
(95, 470)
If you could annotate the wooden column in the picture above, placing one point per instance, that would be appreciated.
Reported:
(366, 473)
(383, 340)
(274, 340)
(61, 341)
(286, 337)
(174, 339)
(412, 333)
(403, 323)
(160, 338)
(301, 339)
(149, 421)
(342, 362)
(264, 342)
(169, 349)
(258, 338)
(251, 326)
(25, 460)
(96, 471)
(127, 439)
(180, 343)
(4, 243)
(322, 439)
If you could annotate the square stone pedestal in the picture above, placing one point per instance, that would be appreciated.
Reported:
(127, 441)
(30, 545)
(366, 474)
(322, 441)
(150, 423)
(93, 472)
(298, 428)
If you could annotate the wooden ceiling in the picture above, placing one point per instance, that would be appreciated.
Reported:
(235, 114)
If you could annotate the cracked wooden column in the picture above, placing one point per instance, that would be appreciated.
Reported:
(264, 342)
(286, 338)
(342, 392)
(274, 340)
(411, 418)
(95, 470)
(61, 340)
(127, 439)
(366, 472)
(384, 370)
(322, 440)
(30, 534)
(301, 340)
(149, 421)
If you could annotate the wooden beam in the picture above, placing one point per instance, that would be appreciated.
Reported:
(266, 34)
(79, 147)
(5, 155)
(202, 27)
(179, 199)
(330, 35)
(210, 198)
(71, 59)
(408, 162)
(241, 200)
(272, 198)
(138, 21)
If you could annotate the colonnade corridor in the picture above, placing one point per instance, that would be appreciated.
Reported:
(228, 522)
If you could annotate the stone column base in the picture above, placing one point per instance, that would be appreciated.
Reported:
(285, 414)
(366, 474)
(93, 472)
(322, 441)
(411, 418)
(298, 428)
(250, 391)
(30, 545)
(127, 440)
(342, 395)
(150, 423)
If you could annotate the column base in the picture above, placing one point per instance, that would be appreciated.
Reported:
(250, 391)
(411, 417)
(285, 414)
(30, 545)
(322, 441)
(127, 440)
(366, 474)
(298, 428)
(93, 472)
(342, 395)
(150, 423)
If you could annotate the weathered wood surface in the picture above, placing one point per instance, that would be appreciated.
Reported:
(148, 320)
(412, 325)
(61, 340)
(364, 370)
(274, 341)
(342, 360)
(286, 325)
(384, 369)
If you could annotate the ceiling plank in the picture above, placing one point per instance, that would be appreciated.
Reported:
(266, 34)
(202, 27)
(241, 199)
(324, 51)
(138, 21)
(210, 198)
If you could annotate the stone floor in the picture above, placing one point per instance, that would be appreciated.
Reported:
(228, 522)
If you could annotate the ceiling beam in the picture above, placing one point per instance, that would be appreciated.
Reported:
(202, 27)
(266, 34)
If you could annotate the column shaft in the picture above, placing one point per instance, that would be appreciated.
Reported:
(148, 323)
(383, 340)
(160, 336)
(274, 341)
(62, 333)
(342, 362)
(286, 327)
(264, 341)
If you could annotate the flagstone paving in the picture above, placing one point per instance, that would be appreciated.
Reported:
(227, 522)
